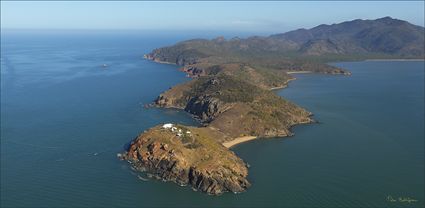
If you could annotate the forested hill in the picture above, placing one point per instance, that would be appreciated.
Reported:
(352, 40)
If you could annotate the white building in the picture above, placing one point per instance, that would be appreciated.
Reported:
(167, 126)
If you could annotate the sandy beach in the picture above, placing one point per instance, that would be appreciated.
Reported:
(238, 140)
(277, 88)
(298, 72)
(395, 60)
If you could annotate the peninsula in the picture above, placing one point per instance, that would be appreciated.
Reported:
(231, 95)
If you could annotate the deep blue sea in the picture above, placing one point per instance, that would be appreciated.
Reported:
(64, 118)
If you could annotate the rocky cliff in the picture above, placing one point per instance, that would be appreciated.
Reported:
(235, 107)
(188, 158)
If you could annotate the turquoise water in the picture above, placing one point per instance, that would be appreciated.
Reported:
(64, 118)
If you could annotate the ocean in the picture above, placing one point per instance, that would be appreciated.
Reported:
(64, 117)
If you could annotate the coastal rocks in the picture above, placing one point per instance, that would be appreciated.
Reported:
(163, 55)
(193, 71)
(206, 108)
(338, 71)
(209, 168)
(216, 183)
(163, 101)
(277, 133)
(156, 57)
(166, 101)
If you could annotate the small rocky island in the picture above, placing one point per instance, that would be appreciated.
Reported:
(231, 95)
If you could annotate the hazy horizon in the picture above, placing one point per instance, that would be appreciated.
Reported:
(249, 17)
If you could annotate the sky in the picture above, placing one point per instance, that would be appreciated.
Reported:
(270, 16)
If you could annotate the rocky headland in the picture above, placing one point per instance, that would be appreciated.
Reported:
(231, 109)
(231, 95)
(188, 156)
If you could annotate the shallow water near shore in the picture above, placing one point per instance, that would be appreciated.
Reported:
(64, 118)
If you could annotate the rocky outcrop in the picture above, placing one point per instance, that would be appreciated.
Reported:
(167, 102)
(173, 56)
(193, 71)
(205, 166)
(206, 108)
(156, 57)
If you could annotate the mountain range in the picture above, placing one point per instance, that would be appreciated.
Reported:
(351, 40)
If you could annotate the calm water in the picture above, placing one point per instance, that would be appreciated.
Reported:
(64, 118)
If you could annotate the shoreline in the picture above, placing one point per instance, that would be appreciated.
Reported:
(394, 60)
(283, 86)
(244, 139)
(278, 88)
(238, 140)
(299, 72)
(156, 61)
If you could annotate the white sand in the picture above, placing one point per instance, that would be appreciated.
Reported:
(298, 72)
(238, 140)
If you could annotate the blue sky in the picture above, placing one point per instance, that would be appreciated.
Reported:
(232, 16)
